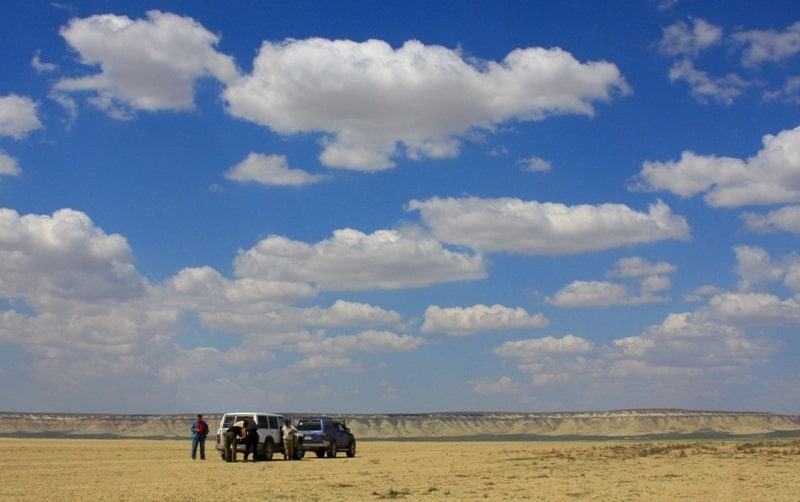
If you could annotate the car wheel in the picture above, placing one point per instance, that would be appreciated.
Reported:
(269, 449)
(320, 453)
(351, 452)
(332, 449)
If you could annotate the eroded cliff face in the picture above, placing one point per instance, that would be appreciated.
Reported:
(611, 424)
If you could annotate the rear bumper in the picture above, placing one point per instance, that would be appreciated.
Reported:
(311, 445)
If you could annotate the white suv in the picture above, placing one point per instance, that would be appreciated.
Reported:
(269, 433)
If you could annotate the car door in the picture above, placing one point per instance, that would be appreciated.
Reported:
(342, 437)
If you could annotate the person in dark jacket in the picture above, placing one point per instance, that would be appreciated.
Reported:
(251, 440)
(199, 433)
(231, 440)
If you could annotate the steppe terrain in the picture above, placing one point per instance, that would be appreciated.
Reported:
(132, 470)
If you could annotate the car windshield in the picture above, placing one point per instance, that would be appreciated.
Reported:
(309, 425)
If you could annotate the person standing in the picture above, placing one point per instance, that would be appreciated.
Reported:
(231, 440)
(288, 431)
(251, 440)
(199, 433)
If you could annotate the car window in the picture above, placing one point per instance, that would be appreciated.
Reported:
(262, 421)
(309, 425)
(227, 421)
(273, 422)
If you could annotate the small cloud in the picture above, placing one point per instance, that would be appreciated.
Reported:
(702, 293)
(535, 164)
(18, 116)
(40, 66)
(457, 321)
(67, 103)
(667, 4)
(498, 151)
(8, 165)
(789, 93)
(270, 170)
(504, 385)
(680, 39)
(638, 267)
(785, 219)
(706, 88)
(768, 45)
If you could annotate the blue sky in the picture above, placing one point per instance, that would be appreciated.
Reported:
(399, 207)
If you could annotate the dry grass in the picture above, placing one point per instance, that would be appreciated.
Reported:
(129, 470)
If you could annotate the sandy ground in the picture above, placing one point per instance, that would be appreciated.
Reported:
(127, 470)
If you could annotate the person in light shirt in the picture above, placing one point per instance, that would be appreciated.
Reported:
(289, 432)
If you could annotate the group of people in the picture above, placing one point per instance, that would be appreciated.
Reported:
(246, 430)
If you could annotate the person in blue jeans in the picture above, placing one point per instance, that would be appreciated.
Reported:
(199, 433)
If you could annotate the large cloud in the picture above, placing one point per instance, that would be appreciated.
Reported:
(664, 358)
(465, 321)
(755, 309)
(530, 227)
(147, 64)
(352, 260)
(369, 97)
(690, 342)
(17, 116)
(772, 176)
(63, 256)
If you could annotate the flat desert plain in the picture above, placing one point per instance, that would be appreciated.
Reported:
(130, 470)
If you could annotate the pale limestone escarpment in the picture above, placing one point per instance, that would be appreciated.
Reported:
(612, 424)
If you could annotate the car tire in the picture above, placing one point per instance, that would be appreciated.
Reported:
(320, 453)
(351, 451)
(269, 449)
(332, 449)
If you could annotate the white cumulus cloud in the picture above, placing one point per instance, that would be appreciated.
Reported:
(636, 266)
(769, 45)
(18, 116)
(540, 348)
(530, 227)
(353, 260)
(270, 170)
(376, 102)
(366, 341)
(681, 39)
(465, 321)
(706, 88)
(145, 64)
(9, 165)
(755, 309)
(772, 176)
(64, 256)
(786, 219)
(590, 293)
